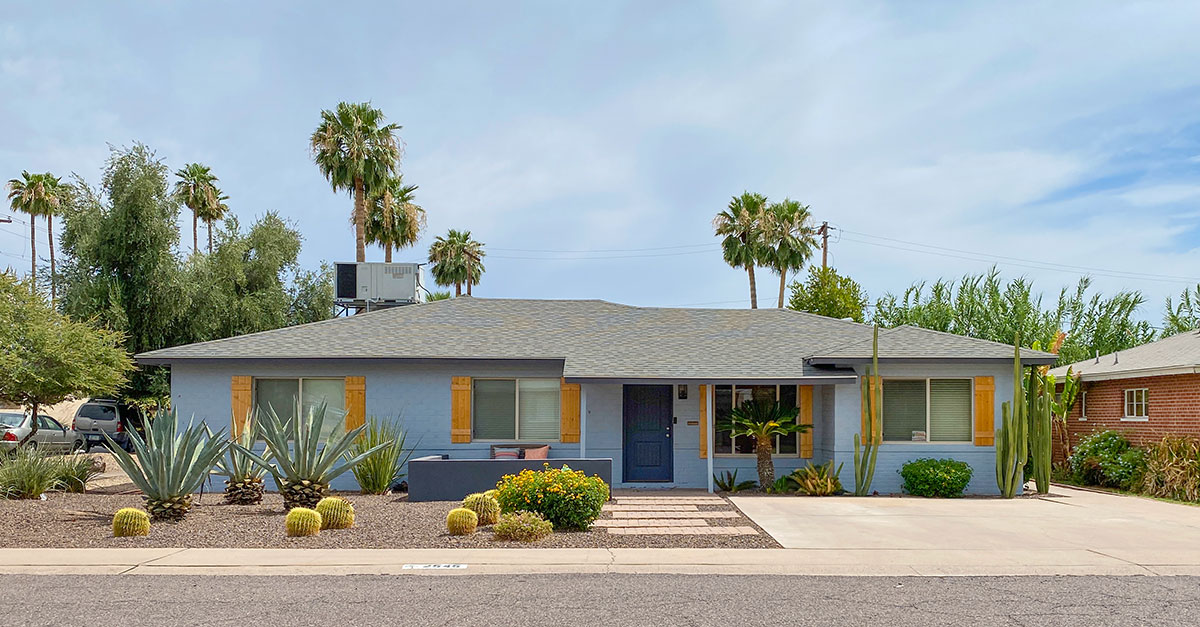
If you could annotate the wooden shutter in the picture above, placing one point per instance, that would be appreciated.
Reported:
(241, 392)
(864, 426)
(985, 411)
(460, 410)
(704, 422)
(805, 417)
(569, 428)
(356, 402)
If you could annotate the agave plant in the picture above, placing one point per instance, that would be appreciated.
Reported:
(382, 469)
(728, 482)
(301, 458)
(763, 420)
(244, 483)
(173, 464)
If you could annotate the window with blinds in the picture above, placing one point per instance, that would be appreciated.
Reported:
(927, 410)
(516, 409)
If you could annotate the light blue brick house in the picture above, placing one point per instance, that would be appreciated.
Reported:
(592, 379)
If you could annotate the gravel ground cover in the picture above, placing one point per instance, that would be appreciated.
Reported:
(83, 520)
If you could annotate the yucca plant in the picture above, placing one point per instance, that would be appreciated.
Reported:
(301, 458)
(244, 477)
(763, 420)
(382, 469)
(76, 470)
(170, 464)
(28, 474)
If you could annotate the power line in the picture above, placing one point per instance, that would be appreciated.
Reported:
(1023, 260)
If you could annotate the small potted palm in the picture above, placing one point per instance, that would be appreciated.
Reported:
(763, 421)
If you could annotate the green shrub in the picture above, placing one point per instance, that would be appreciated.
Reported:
(728, 482)
(28, 473)
(1172, 469)
(522, 527)
(381, 468)
(75, 471)
(1107, 459)
(567, 498)
(941, 478)
(783, 485)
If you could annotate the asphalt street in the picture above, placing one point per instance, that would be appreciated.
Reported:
(609, 600)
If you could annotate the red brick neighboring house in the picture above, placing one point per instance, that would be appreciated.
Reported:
(1146, 392)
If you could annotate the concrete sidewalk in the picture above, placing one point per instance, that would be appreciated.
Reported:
(865, 562)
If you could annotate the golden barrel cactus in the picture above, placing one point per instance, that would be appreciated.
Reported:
(461, 521)
(487, 508)
(336, 513)
(130, 521)
(302, 522)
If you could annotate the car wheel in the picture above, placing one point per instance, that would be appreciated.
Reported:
(31, 445)
(79, 447)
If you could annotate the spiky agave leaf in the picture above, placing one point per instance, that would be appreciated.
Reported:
(301, 456)
(172, 464)
(236, 465)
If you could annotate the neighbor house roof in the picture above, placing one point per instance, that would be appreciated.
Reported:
(597, 339)
(1177, 354)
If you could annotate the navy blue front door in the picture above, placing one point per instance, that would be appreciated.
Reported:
(648, 417)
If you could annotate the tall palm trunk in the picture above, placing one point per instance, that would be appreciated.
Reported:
(50, 240)
(766, 466)
(457, 288)
(209, 223)
(387, 253)
(33, 252)
(360, 220)
(753, 287)
(195, 231)
(782, 285)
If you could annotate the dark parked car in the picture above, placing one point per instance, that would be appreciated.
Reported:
(99, 416)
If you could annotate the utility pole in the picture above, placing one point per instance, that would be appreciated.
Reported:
(823, 231)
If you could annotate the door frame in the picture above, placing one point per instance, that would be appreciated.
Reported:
(670, 438)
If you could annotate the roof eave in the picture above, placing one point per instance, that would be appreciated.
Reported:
(1033, 360)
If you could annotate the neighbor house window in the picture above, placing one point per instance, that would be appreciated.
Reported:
(516, 409)
(927, 410)
(726, 397)
(286, 396)
(1083, 405)
(1136, 404)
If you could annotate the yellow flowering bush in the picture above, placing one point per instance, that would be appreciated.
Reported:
(567, 498)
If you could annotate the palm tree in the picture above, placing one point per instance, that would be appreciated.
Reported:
(790, 239)
(212, 213)
(355, 151)
(393, 219)
(741, 226)
(197, 189)
(763, 420)
(457, 259)
(38, 195)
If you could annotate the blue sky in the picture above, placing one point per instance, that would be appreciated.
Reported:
(1042, 137)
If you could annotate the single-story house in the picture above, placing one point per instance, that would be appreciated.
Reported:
(644, 386)
(1146, 392)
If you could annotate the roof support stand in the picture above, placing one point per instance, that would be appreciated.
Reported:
(710, 429)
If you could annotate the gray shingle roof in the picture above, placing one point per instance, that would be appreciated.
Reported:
(594, 339)
(909, 342)
(1170, 355)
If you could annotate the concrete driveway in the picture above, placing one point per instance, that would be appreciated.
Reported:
(1067, 529)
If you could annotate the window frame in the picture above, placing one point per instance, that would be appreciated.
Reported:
(733, 438)
(1145, 405)
(1083, 405)
(516, 410)
(929, 411)
(299, 389)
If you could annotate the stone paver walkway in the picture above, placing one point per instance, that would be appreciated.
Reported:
(672, 515)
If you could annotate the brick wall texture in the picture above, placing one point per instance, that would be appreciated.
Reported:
(1173, 407)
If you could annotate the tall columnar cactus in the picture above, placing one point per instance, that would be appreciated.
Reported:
(866, 447)
(1012, 438)
(130, 521)
(461, 521)
(487, 508)
(1041, 424)
(336, 513)
(302, 521)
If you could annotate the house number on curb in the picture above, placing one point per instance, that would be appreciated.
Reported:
(433, 566)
